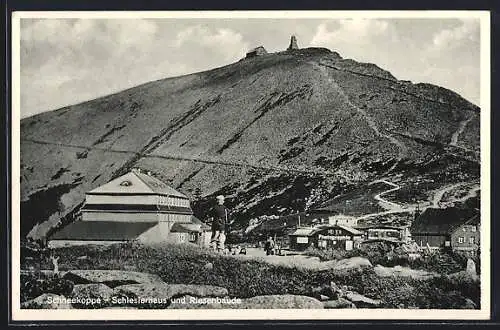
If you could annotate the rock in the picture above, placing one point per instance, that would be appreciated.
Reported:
(352, 263)
(323, 297)
(464, 276)
(469, 304)
(281, 302)
(471, 267)
(94, 295)
(403, 272)
(325, 290)
(361, 301)
(209, 266)
(47, 301)
(111, 278)
(338, 303)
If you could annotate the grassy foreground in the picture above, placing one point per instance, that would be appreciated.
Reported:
(246, 278)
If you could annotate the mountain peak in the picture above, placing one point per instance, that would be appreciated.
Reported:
(266, 130)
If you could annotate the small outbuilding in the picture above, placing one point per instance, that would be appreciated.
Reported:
(302, 238)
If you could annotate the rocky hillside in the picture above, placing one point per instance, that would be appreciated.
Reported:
(267, 131)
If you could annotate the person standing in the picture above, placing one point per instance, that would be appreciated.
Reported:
(219, 214)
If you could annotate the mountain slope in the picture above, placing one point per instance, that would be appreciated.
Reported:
(265, 130)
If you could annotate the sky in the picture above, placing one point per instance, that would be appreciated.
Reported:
(68, 61)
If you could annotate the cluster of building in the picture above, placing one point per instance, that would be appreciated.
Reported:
(138, 206)
(436, 228)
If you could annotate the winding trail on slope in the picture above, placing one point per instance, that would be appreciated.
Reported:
(369, 120)
(438, 196)
(384, 203)
(441, 192)
(460, 130)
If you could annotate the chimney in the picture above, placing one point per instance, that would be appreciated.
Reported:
(293, 43)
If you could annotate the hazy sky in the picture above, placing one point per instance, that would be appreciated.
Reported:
(67, 61)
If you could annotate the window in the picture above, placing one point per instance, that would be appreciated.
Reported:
(126, 183)
(471, 240)
(460, 240)
(474, 229)
(447, 243)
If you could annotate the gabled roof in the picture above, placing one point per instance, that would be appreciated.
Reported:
(474, 220)
(199, 222)
(350, 230)
(137, 183)
(187, 227)
(304, 232)
(346, 228)
(379, 227)
(441, 221)
(102, 231)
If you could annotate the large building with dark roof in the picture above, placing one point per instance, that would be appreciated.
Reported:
(135, 206)
(452, 227)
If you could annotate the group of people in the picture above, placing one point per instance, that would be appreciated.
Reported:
(270, 246)
(219, 216)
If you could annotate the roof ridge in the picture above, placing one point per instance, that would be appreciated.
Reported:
(143, 181)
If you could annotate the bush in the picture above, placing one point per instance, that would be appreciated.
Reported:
(34, 285)
(246, 278)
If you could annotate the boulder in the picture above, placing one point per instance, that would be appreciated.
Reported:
(469, 304)
(323, 291)
(323, 297)
(471, 267)
(347, 264)
(47, 301)
(111, 278)
(400, 271)
(352, 263)
(94, 295)
(281, 302)
(361, 301)
(464, 276)
(338, 303)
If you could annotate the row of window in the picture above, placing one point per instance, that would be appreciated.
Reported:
(472, 240)
(173, 201)
(472, 228)
(192, 237)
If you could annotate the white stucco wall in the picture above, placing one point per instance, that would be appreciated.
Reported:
(123, 199)
(119, 216)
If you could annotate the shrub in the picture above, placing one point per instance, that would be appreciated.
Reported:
(34, 285)
(250, 277)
